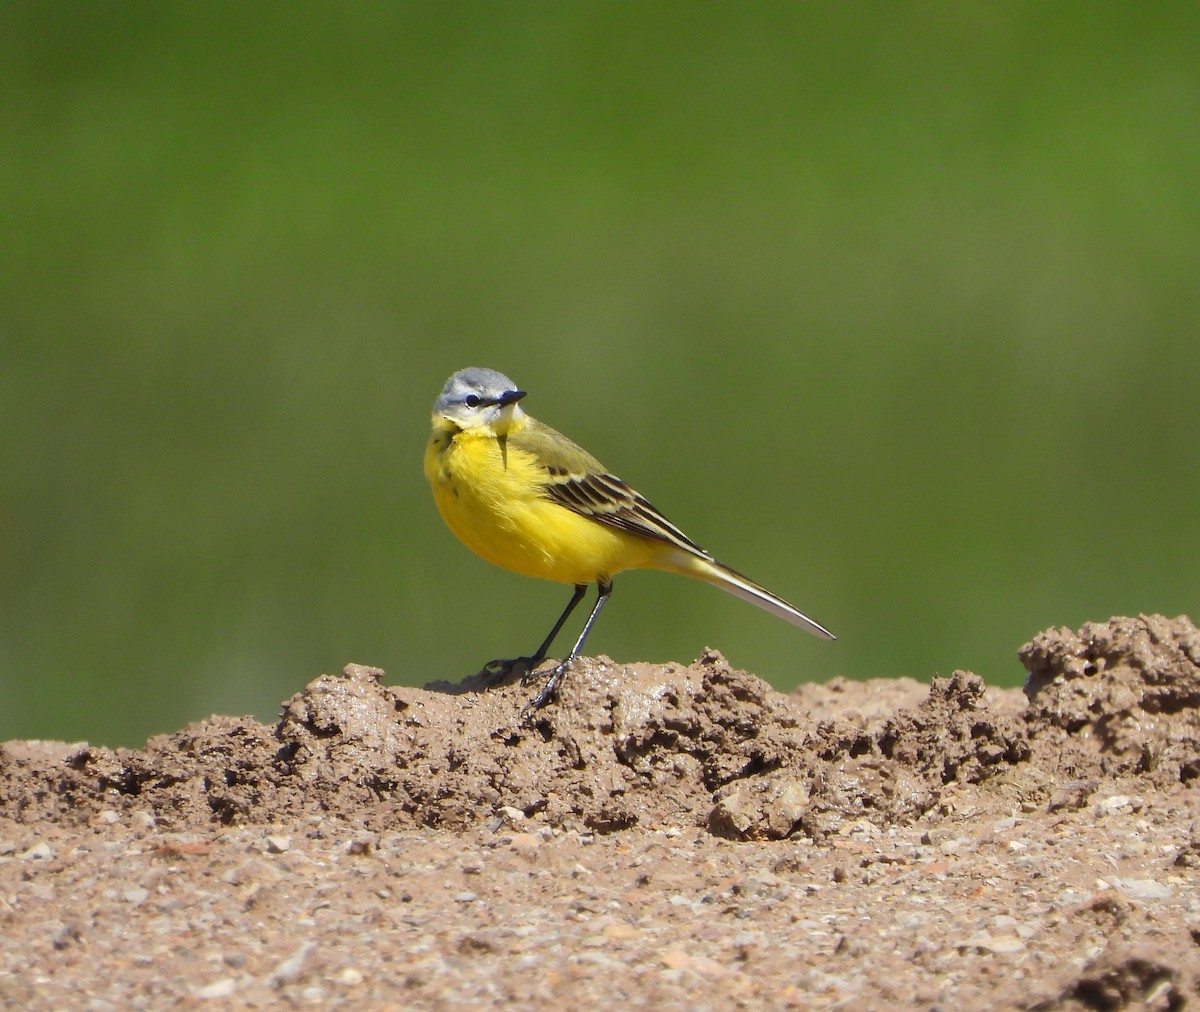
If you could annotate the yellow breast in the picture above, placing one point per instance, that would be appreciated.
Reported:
(489, 492)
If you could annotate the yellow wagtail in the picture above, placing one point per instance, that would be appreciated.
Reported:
(525, 497)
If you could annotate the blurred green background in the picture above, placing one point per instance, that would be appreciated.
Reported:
(893, 307)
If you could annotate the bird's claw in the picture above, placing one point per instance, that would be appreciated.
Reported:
(507, 669)
(547, 694)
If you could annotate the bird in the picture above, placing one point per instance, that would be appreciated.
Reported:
(525, 497)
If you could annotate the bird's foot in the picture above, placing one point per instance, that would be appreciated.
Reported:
(548, 693)
(504, 670)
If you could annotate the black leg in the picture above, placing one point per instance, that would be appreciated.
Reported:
(536, 659)
(549, 691)
(497, 671)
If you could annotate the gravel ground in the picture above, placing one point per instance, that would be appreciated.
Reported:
(667, 836)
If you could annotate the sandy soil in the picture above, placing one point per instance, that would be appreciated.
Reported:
(681, 837)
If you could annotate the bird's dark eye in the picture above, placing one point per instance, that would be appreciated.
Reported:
(472, 401)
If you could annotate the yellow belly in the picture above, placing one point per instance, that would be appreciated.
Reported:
(490, 497)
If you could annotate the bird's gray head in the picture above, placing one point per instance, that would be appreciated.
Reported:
(478, 396)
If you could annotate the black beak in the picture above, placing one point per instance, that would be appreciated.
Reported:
(510, 397)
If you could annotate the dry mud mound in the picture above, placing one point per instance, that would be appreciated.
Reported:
(628, 745)
(878, 841)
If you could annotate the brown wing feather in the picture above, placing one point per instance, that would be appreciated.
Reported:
(577, 480)
(607, 499)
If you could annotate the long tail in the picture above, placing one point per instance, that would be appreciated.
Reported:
(739, 586)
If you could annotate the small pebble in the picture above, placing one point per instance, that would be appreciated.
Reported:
(289, 971)
(218, 989)
(525, 843)
(1143, 888)
(1118, 804)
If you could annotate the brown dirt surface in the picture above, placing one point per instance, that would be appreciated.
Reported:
(665, 836)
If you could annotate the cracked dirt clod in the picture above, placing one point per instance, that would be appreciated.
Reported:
(1122, 694)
